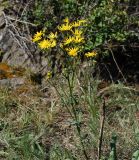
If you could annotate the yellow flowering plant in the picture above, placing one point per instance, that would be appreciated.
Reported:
(68, 39)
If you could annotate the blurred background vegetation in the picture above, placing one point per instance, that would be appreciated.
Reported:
(112, 28)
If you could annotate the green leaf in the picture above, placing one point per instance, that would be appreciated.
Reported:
(135, 155)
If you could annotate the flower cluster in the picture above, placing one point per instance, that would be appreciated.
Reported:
(72, 40)
(45, 43)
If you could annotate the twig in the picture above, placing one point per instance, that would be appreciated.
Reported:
(117, 64)
(21, 41)
(17, 20)
(102, 120)
(25, 8)
(108, 72)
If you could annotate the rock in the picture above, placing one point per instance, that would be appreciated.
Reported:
(12, 82)
(2, 21)
(17, 48)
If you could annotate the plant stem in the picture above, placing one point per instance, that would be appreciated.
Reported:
(102, 120)
(70, 84)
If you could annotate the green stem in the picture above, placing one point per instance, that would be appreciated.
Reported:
(75, 114)
(62, 99)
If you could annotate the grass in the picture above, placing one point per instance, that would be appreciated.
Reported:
(36, 125)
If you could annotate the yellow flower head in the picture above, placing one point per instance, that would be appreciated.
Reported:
(79, 23)
(66, 20)
(53, 43)
(91, 54)
(76, 24)
(77, 32)
(49, 75)
(78, 39)
(45, 44)
(37, 36)
(35, 39)
(65, 27)
(72, 51)
(52, 35)
(68, 40)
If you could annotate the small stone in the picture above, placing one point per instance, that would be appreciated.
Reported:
(12, 82)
